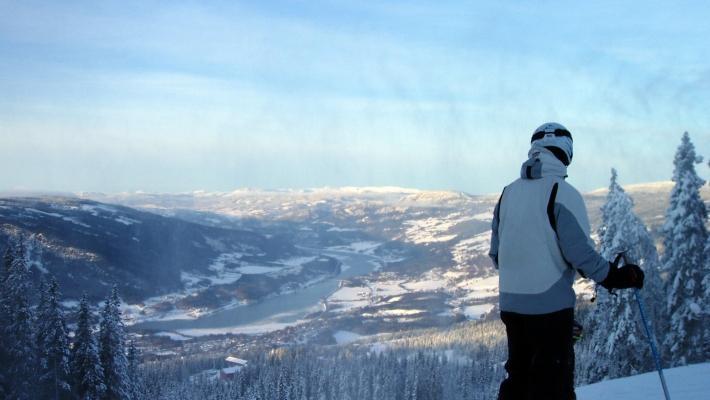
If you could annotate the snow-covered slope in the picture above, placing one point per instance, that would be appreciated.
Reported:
(684, 383)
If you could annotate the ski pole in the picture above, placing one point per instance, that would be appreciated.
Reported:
(652, 342)
(649, 334)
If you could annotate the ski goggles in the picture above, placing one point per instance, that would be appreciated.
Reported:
(557, 132)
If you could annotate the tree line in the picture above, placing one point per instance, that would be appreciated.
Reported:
(676, 294)
(40, 359)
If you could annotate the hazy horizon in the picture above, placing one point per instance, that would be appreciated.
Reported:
(49, 193)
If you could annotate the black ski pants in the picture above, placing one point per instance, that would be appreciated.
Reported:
(540, 356)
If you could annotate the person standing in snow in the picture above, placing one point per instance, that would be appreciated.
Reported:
(540, 240)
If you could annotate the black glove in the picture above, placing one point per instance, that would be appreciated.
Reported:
(628, 276)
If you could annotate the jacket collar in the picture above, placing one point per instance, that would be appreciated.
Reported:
(541, 163)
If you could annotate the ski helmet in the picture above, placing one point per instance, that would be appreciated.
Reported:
(556, 138)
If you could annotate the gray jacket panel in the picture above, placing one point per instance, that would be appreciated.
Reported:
(536, 254)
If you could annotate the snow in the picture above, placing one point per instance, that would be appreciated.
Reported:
(379, 347)
(695, 308)
(56, 215)
(223, 259)
(336, 229)
(434, 230)
(93, 209)
(480, 288)
(70, 304)
(364, 247)
(399, 312)
(350, 293)
(684, 383)
(254, 329)
(257, 270)
(127, 221)
(345, 337)
(426, 285)
(471, 247)
(477, 311)
(394, 299)
(584, 288)
(389, 288)
(34, 210)
(222, 278)
(486, 216)
(296, 261)
(652, 187)
(173, 336)
(235, 360)
(76, 222)
(348, 298)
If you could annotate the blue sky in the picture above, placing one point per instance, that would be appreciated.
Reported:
(179, 96)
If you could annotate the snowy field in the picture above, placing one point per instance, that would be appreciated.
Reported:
(346, 337)
(684, 383)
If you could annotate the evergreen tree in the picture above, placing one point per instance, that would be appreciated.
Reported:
(40, 318)
(54, 347)
(18, 333)
(4, 316)
(134, 380)
(706, 301)
(685, 237)
(87, 373)
(112, 352)
(19, 351)
(617, 347)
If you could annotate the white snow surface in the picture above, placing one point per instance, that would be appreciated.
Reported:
(478, 311)
(348, 298)
(253, 329)
(691, 382)
(345, 337)
(257, 270)
(434, 230)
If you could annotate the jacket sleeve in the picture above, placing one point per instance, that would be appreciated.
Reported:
(493, 252)
(573, 236)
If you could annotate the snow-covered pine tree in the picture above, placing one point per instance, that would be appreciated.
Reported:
(17, 334)
(685, 237)
(4, 351)
(86, 371)
(112, 351)
(54, 347)
(134, 381)
(40, 326)
(617, 347)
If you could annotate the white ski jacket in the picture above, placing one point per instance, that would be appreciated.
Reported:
(540, 237)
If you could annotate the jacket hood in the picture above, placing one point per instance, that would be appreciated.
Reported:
(541, 163)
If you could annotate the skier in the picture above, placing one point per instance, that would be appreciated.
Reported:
(540, 239)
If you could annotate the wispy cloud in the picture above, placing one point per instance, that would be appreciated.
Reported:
(175, 96)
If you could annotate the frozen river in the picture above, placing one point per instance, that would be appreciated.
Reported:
(272, 313)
